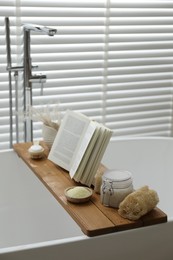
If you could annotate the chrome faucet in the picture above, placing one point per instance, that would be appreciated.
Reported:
(39, 28)
(27, 73)
(28, 77)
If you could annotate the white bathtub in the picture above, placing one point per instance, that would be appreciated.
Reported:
(34, 226)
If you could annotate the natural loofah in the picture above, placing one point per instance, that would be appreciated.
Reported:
(138, 203)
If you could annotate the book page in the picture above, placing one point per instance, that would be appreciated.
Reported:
(71, 134)
(98, 158)
(84, 143)
(93, 155)
(79, 172)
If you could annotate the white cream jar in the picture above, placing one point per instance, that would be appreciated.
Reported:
(116, 185)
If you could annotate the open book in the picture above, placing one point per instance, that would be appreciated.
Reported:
(79, 146)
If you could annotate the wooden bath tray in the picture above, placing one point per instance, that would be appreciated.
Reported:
(93, 218)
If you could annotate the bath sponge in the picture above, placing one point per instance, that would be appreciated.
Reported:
(138, 203)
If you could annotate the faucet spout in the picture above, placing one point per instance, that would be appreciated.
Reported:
(40, 29)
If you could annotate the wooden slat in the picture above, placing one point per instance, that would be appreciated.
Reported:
(112, 213)
(57, 180)
(93, 218)
(156, 216)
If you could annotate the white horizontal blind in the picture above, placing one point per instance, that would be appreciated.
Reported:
(73, 59)
(7, 8)
(140, 59)
(111, 60)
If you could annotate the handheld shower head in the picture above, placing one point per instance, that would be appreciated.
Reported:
(39, 28)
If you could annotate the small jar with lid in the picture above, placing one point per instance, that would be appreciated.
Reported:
(116, 185)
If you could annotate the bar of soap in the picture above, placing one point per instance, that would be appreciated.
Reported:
(138, 203)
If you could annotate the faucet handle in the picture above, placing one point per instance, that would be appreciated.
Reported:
(38, 78)
(34, 67)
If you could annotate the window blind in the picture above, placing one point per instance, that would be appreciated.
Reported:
(73, 59)
(139, 84)
(110, 59)
(7, 8)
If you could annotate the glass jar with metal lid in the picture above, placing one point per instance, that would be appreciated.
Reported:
(116, 185)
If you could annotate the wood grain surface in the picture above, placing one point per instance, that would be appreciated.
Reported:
(92, 217)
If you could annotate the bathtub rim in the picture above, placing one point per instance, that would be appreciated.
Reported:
(115, 139)
(64, 241)
(42, 244)
(141, 138)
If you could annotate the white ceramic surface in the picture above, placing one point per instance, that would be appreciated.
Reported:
(28, 212)
(34, 226)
